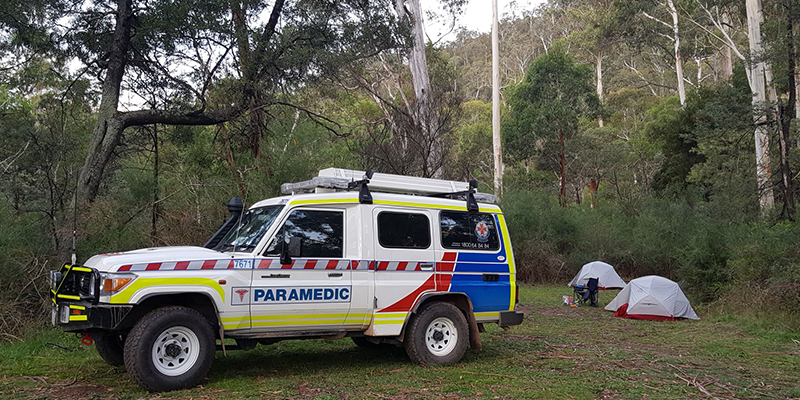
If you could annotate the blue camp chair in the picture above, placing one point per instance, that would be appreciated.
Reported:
(588, 293)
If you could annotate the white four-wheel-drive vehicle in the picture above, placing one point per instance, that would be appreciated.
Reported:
(421, 263)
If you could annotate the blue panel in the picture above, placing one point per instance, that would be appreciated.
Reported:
(485, 296)
(481, 267)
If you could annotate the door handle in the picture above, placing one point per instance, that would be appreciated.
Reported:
(275, 276)
(335, 274)
(426, 265)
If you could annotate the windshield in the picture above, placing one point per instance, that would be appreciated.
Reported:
(248, 232)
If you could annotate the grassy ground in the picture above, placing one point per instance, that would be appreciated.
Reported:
(558, 352)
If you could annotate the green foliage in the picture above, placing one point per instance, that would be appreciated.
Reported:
(556, 92)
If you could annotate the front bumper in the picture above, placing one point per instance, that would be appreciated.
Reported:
(82, 316)
(510, 318)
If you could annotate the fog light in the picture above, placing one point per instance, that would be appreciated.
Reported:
(63, 315)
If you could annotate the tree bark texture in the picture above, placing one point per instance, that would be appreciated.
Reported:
(599, 69)
(759, 101)
(678, 59)
(497, 144)
(563, 190)
(418, 63)
(786, 112)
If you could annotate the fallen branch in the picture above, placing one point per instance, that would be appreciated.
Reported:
(488, 374)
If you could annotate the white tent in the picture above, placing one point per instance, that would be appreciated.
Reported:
(652, 297)
(606, 276)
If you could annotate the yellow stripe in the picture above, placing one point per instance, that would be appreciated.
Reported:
(391, 315)
(126, 294)
(395, 203)
(512, 269)
(389, 322)
(80, 269)
(66, 296)
(78, 317)
(279, 323)
(77, 307)
(487, 314)
(323, 201)
(294, 317)
(237, 325)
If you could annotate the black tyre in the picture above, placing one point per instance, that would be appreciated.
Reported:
(110, 346)
(438, 335)
(169, 349)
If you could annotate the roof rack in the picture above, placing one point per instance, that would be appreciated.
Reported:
(333, 179)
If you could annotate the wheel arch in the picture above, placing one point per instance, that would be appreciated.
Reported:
(199, 301)
(458, 299)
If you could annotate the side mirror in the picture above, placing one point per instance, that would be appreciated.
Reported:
(293, 248)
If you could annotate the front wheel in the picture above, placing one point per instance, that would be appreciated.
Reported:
(110, 346)
(437, 335)
(170, 348)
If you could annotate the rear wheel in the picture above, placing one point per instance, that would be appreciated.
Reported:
(437, 335)
(110, 346)
(170, 348)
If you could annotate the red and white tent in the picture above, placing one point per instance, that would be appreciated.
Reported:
(652, 298)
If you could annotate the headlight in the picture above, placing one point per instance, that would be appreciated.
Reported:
(55, 278)
(113, 283)
(86, 286)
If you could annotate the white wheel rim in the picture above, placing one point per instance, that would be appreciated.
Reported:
(441, 336)
(175, 351)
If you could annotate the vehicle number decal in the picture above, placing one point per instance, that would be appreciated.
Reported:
(243, 264)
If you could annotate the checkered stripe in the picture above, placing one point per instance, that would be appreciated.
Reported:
(274, 263)
(179, 265)
(399, 266)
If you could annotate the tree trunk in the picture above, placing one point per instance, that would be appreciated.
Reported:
(727, 53)
(107, 130)
(156, 211)
(599, 68)
(759, 100)
(563, 190)
(497, 149)
(786, 113)
(678, 59)
(418, 63)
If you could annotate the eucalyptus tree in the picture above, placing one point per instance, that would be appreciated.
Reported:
(545, 110)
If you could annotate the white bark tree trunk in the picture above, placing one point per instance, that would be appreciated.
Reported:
(599, 69)
(418, 63)
(760, 106)
(678, 60)
(497, 149)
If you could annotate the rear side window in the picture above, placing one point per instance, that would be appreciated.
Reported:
(468, 231)
(321, 234)
(404, 230)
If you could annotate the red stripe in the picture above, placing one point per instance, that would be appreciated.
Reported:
(407, 302)
(372, 265)
(383, 265)
(209, 264)
(418, 268)
(310, 264)
(182, 265)
(124, 268)
(332, 264)
(288, 266)
(402, 266)
(445, 267)
(353, 265)
(264, 263)
(153, 267)
(230, 265)
(450, 256)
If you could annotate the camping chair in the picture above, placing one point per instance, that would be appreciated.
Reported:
(586, 293)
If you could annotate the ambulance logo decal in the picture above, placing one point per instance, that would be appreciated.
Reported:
(482, 231)
(240, 296)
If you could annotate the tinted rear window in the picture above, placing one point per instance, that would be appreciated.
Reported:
(468, 231)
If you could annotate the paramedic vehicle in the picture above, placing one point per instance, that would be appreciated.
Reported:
(384, 260)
